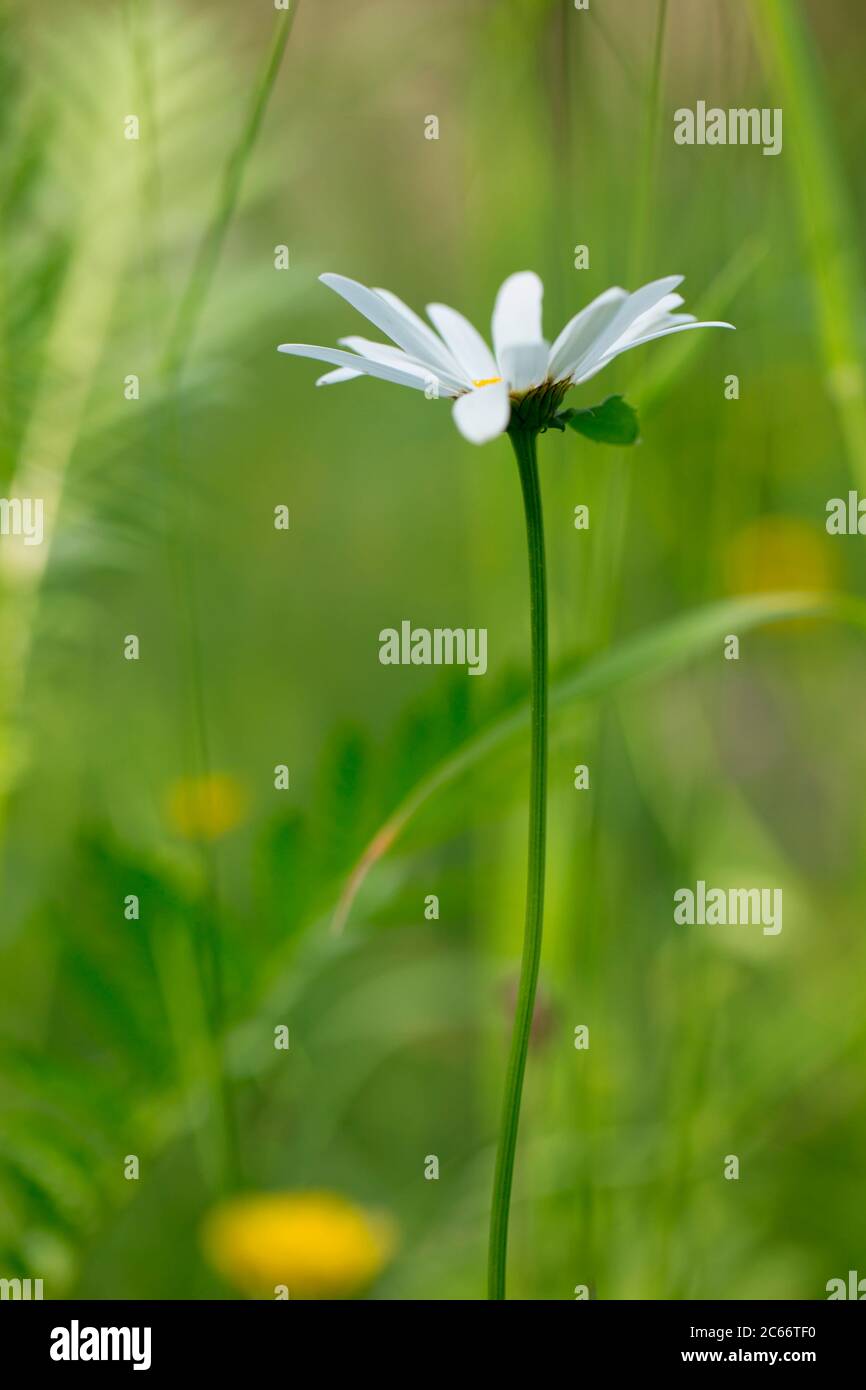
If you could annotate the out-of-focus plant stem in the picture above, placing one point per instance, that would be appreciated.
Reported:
(207, 258)
(825, 212)
(205, 935)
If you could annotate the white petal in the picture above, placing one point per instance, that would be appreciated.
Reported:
(433, 343)
(386, 352)
(577, 335)
(659, 316)
(668, 302)
(640, 331)
(395, 319)
(617, 349)
(517, 312)
(382, 352)
(483, 412)
(644, 299)
(524, 365)
(337, 375)
(382, 370)
(464, 342)
(665, 332)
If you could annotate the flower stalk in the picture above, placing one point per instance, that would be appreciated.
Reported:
(518, 388)
(524, 442)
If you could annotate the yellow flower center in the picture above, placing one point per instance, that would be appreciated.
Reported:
(488, 381)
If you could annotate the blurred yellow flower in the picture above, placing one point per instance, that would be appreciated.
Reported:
(316, 1244)
(780, 552)
(205, 808)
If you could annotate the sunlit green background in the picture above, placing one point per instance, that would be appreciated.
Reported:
(259, 647)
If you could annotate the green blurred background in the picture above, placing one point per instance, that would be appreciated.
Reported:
(260, 647)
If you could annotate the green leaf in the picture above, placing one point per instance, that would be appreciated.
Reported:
(612, 422)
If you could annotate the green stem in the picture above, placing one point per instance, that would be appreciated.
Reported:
(525, 442)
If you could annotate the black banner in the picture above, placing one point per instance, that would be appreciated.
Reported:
(84, 1339)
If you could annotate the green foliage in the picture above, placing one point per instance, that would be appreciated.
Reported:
(259, 647)
(614, 421)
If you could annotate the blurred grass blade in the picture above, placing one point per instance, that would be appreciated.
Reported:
(209, 251)
(646, 164)
(208, 950)
(825, 211)
(649, 655)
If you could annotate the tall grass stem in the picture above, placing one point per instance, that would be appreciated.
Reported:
(206, 941)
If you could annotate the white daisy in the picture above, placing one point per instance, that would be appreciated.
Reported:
(523, 380)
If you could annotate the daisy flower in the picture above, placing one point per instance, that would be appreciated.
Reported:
(517, 388)
(523, 380)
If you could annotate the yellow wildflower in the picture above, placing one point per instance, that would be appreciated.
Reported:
(314, 1244)
(780, 552)
(205, 808)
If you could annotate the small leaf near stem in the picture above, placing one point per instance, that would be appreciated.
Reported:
(612, 422)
